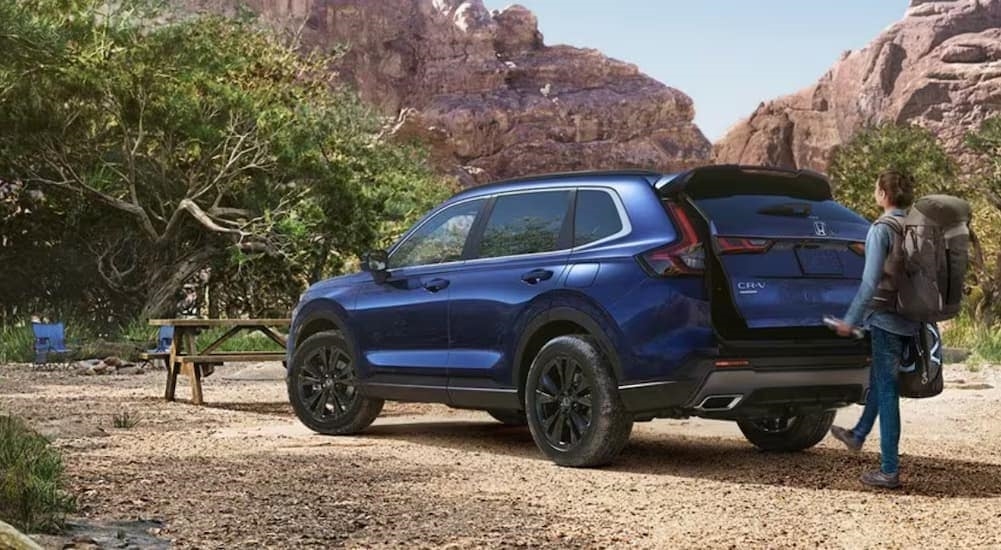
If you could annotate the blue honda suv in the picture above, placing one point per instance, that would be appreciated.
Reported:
(581, 303)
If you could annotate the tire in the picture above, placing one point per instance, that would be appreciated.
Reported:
(331, 405)
(573, 406)
(509, 417)
(787, 435)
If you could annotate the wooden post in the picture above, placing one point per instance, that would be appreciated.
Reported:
(196, 383)
(172, 367)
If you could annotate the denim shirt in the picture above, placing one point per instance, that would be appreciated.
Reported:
(877, 247)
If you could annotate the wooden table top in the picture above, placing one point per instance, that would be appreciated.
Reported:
(220, 322)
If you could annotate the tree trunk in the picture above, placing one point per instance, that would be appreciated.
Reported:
(164, 281)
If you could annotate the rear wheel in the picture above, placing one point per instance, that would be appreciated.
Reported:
(572, 402)
(322, 387)
(509, 417)
(787, 434)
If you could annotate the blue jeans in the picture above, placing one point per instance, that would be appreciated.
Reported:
(884, 396)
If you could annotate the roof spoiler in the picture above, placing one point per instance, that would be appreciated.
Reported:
(729, 179)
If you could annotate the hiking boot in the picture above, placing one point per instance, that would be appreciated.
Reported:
(846, 437)
(880, 479)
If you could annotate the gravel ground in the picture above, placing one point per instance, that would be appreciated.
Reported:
(242, 471)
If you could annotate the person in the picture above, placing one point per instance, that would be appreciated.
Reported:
(890, 334)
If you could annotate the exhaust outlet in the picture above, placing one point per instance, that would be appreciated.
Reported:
(719, 402)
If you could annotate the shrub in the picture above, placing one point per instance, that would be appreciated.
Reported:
(16, 344)
(125, 420)
(31, 480)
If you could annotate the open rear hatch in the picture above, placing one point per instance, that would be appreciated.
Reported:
(779, 252)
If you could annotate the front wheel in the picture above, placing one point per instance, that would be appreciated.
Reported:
(323, 390)
(787, 434)
(573, 406)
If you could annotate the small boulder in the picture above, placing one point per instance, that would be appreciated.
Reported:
(131, 369)
(113, 361)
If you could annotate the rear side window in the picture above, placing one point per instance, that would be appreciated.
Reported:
(596, 217)
(525, 223)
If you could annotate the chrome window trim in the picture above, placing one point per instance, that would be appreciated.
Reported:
(627, 226)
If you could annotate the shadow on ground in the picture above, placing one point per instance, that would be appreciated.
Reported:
(278, 408)
(723, 460)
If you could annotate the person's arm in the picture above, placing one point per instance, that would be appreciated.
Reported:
(877, 243)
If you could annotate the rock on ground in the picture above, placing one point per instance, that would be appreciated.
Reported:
(939, 67)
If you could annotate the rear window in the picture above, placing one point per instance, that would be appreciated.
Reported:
(744, 207)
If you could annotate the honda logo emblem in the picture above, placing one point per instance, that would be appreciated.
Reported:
(820, 229)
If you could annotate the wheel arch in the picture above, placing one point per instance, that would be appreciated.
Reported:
(318, 316)
(560, 321)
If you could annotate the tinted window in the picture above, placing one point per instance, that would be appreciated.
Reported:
(596, 218)
(525, 224)
(441, 239)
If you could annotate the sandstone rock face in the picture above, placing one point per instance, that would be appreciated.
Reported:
(940, 67)
(489, 97)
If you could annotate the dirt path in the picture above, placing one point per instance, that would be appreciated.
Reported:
(243, 471)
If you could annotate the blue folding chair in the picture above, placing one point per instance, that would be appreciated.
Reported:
(50, 338)
(164, 339)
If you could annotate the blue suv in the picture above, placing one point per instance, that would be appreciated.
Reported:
(580, 303)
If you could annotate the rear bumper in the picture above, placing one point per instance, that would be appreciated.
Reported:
(766, 386)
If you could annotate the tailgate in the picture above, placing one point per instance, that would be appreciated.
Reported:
(789, 254)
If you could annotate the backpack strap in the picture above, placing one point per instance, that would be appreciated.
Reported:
(893, 222)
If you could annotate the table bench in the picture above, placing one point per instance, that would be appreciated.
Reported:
(185, 357)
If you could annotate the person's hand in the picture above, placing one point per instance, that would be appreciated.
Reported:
(844, 329)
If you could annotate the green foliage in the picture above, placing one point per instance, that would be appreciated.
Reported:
(244, 341)
(982, 340)
(148, 151)
(125, 420)
(985, 143)
(31, 480)
(856, 164)
(16, 344)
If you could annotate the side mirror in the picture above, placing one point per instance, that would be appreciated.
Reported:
(376, 262)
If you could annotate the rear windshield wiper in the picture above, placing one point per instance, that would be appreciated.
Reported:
(795, 209)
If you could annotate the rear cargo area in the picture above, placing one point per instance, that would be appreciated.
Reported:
(780, 254)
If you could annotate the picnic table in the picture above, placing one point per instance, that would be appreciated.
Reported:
(186, 358)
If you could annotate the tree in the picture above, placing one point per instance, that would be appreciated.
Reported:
(985, 143)
(201, 144)
(856, 164)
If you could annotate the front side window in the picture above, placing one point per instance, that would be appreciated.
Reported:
(526, 223)
(596, 217)
(441, 239)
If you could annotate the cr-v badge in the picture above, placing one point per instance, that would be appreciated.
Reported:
(820, 228)
(749, 287)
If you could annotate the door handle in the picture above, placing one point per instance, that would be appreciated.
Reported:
(537, 275)
(434, 285)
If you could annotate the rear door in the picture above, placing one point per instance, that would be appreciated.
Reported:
(789, 254)
(518, 255)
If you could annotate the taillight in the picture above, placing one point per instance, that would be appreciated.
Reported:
(740, 245)
(858, 248)
(683, 257)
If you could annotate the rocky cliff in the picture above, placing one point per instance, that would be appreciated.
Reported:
(939, 67)
(489, 97)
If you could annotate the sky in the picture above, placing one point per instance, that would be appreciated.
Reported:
(728, 55)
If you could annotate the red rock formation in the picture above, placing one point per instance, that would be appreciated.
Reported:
(939, 67)
(489, 97)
